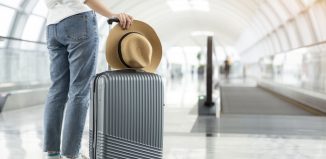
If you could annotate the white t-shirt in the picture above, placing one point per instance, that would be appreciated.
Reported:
(61, 9)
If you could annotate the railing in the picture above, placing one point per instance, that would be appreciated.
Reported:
(24, 72)
(2, 38)
(209, 73)
(25, 62)
(206, 105)
(301, 47)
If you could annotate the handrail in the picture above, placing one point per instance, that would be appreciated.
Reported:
(18, 39)
(209, 73)
(298, 48)
(301, 47)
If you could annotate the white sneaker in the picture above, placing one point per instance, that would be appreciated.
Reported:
(79, 157)
(53, 157)
(63, 157)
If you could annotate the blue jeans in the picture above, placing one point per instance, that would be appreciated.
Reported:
(73, 46)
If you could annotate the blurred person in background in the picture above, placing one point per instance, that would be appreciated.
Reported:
(227, 67)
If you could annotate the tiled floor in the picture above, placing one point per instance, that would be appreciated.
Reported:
(188, 136)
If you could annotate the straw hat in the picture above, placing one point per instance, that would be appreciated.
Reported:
(138, 47)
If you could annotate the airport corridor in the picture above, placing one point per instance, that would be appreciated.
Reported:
(163, 79)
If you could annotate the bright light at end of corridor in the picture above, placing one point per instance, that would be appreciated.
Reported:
(186, 5)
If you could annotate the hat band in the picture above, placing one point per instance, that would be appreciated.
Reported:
(119, 49)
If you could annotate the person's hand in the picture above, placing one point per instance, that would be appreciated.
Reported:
(125, 20)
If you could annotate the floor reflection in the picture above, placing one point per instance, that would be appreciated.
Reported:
(20, 134)
(187, 136)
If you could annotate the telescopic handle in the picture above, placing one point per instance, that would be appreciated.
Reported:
(111, 21)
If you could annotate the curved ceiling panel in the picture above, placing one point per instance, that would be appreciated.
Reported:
(227, 19)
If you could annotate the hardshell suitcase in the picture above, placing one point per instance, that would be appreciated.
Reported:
(126, 115)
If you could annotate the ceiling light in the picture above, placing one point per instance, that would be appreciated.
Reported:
(186, 5)
(202, 33)
(179, 5)
(201, 5)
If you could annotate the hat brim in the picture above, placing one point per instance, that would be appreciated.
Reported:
(117, 33)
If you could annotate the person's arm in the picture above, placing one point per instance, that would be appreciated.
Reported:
(100, 7)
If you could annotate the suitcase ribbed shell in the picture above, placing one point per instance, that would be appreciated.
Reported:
(126, 115)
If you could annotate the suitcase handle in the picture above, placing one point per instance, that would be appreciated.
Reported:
(112, 20)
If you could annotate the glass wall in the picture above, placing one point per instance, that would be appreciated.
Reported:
(284, 25)
(303, 68)
(287, 46)
(24, 66)
(27, 63)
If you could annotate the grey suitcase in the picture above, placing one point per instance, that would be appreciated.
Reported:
(126, 115)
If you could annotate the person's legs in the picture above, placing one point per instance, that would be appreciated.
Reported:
(58, 93)
(82, 48)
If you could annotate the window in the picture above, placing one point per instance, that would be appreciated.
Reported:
(33, 28)
(257, 25)
(305, 30)
(265, 23)
(293, 35)
(293, 6)
(317, 16)
(6, 16)
(276, 42)
(40, 9)
(32, 31)
(283, 37)
(268, 46)
(43, 38)
(11, 3)
(269, 13)
(277, 6)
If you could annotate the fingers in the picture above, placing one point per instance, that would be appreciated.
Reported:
(125, 20)
(122, 20)
(130, 20)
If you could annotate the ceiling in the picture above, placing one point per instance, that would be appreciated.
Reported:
(226, 18)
